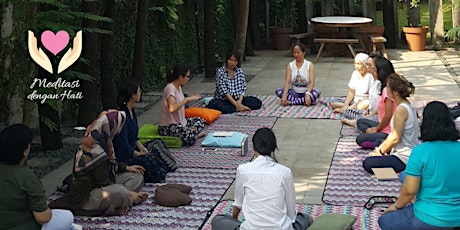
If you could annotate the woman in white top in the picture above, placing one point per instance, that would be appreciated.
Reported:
(264, 190)
(358, 87)
(397, 147)
(300, 80)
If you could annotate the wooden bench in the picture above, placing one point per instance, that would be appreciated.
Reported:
(309, 39)
(323, 41)
(378, 43)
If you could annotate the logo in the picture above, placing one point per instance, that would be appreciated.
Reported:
(55, 43)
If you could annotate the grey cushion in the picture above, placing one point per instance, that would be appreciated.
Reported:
(333, 221)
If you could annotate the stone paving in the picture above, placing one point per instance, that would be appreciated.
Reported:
(307, 145)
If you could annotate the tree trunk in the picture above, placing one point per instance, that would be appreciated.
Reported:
(107, 85)
(209, 50)
(241, 14)
(50, 137)
(390, 22)
(369, 9)
(14, 106)
(301, 16)
(455, 13)
(436, 23)
(141, 33)
(29, 108)
(352, 7)
(309, 5)
(327, 7)
(86, 105)
(253, 24)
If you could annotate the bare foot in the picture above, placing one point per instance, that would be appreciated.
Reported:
(349, 122)
(138, 197)
(338, 110)
(122, 211)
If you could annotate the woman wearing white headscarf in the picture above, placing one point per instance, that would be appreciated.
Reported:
(358, 87)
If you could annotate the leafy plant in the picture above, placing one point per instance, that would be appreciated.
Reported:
(454, 33)
(169, 9)
(283, 13)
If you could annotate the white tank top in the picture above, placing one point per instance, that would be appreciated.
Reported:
(300, 77)
(410, 134)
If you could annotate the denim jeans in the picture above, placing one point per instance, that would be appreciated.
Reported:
(404, 219)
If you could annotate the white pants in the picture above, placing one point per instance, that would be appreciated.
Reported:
(60, 220)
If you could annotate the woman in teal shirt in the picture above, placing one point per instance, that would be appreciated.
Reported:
(431, 177)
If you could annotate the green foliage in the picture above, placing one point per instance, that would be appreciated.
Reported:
(283, 12)
(169, 10)
(454, 33)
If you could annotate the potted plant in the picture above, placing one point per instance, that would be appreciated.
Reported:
(415, 33)
(283, 16)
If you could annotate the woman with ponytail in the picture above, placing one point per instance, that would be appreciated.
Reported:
(395, 150)
(264, 190)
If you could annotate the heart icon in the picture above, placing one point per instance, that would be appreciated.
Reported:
(55, 43)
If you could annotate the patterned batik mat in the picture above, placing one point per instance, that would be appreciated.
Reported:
(208, 187)
(223, 158)
(365, 219)
(348, 183)
(271, 107)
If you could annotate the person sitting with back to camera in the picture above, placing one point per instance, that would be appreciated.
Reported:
(299, 80)
(395, 150)
(264, 191)
(431, 178)
(230, 95)
(22, 196)
(172, 120)
(358, 88)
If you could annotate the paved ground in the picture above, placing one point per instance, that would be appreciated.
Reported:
(307, 145)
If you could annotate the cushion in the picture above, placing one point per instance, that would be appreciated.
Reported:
(181, 187)
(333, 221)
(206, 100)
(171, 197)
(210, 115)
(233, 141)
(148, 132)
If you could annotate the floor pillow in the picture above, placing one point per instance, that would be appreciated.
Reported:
(171, 197)
(333, 221)
(148, 132)
(210, 115)
(233, 141)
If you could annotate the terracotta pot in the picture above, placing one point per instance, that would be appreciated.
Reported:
(416, 37)
(280, 38)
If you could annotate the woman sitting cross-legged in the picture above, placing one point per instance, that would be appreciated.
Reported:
(22, 196)
(358, 87)
(374, 132)
(100, 183)
(299, 80)
(431, 178)
(395, 150)
(154, 158)
(230, 95)
(172, 115)
(264, 190)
